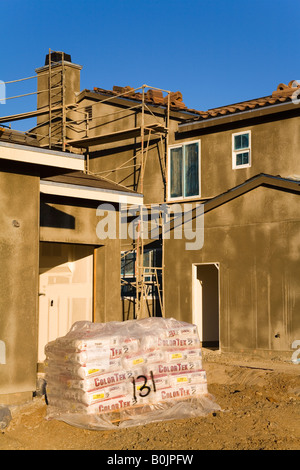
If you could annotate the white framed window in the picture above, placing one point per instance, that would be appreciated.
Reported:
(184, 171)
(241, 149)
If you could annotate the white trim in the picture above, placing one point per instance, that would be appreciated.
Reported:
(246, 149)
(86, 192)
(183, 198)
(34, 155)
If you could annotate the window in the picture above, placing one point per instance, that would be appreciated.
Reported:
(241, 150)
(184, 170)
(152, 258)
(128, 274)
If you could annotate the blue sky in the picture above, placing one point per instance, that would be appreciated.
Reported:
(214, 52)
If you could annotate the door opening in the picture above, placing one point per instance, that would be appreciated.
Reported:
(206, 303)
(65, 290)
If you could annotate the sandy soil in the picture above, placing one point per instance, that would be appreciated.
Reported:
(260, 409)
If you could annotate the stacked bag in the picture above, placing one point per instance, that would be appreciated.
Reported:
(103, 375)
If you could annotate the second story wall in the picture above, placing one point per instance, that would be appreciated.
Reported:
(274, 148)
(118, 156)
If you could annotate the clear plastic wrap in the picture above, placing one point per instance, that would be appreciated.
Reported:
(120, 374)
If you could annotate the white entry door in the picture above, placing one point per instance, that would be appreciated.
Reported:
(65, 290)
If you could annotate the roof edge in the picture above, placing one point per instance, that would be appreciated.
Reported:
(194, 124)
(113, 97)
(262, 179)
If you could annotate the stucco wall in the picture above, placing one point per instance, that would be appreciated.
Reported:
(19, 235)
(274, 150)
(68, 221)
(109, 118)
(255, 239)
(72, 86)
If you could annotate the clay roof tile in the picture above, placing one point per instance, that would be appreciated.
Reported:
(151, 96)
(281, 94)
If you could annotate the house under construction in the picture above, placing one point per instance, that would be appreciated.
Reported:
(227, 256)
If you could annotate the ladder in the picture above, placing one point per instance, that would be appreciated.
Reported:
(56, 97)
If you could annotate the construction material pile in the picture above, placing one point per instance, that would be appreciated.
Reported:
(104, 375)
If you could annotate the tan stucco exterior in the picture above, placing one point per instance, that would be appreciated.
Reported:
(251, 251)
(253, 239)
(28, 218)
(257, 251)
(82, 220)
(275, 145)
(19, 203)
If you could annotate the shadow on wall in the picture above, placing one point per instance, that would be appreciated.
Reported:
(51, 217)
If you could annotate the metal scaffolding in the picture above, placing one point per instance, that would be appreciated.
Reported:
(147, 130)
(58, 122)
(56, 97)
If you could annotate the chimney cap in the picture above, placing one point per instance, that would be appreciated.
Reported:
(57, 57)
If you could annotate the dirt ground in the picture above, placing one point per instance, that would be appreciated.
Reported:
(260, 410)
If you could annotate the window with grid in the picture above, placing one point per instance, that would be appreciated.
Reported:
(241, 150)
(184, 170)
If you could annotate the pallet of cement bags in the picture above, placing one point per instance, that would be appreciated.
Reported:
(120, 374)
